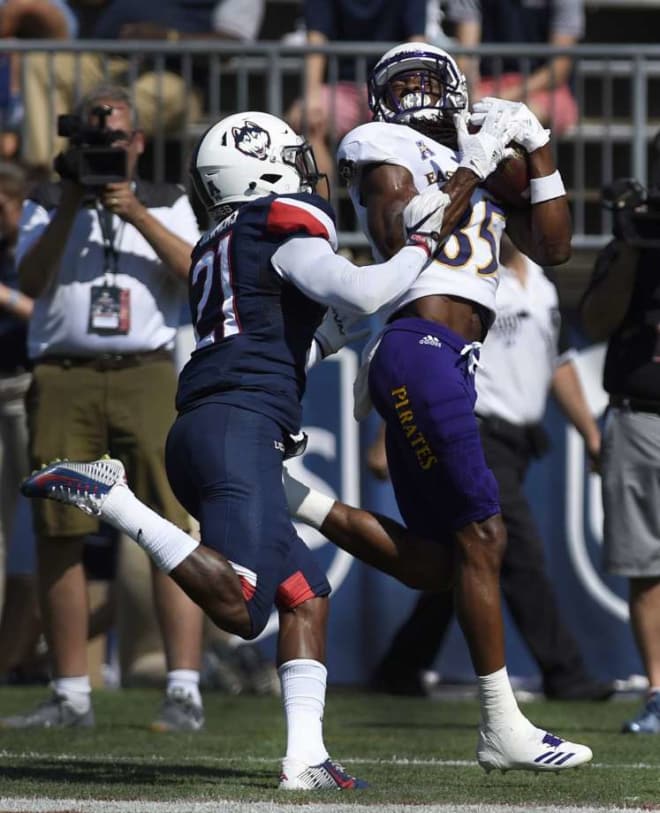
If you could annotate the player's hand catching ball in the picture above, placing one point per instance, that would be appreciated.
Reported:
(482, 151)
(529, 132)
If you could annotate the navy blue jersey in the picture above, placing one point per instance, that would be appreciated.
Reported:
(253, 328)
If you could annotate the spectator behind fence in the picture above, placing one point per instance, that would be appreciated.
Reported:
(544, 85)
(15, 310)
(25, 19)
(518, 365)
(622, 305)
(106, 260)
(333, 105)
(163, 99)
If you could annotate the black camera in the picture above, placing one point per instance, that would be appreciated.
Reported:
(636, 212)
(635, 209)
(91, 160)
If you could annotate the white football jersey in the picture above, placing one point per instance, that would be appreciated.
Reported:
(467, 265)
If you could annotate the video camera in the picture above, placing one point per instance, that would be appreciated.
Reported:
(636, 210)
(91, 160)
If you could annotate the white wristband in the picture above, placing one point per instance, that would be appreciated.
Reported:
(546, 188)
(305, 503)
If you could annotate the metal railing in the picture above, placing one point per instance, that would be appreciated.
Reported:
(616, 87)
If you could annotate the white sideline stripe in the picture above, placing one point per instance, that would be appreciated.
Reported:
(439, 763)
(31, 805)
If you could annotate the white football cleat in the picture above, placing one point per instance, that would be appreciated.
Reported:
(527, 748)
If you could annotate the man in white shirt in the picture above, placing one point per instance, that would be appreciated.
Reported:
(106, 266)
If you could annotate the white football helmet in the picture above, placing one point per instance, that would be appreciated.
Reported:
(249, 155)
(418, 108)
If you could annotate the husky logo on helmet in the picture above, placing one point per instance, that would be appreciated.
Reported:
(249, 155)
(251, 139)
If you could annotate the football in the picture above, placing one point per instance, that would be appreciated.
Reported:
(510, 181)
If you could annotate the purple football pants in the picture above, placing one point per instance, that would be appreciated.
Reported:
(421, 385)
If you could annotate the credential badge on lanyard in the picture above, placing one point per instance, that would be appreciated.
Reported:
(110, 305)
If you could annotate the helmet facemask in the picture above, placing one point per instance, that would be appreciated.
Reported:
(440, 91)
(301, 158)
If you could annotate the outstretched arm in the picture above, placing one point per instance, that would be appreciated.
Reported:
(420, 563)
(311, 264)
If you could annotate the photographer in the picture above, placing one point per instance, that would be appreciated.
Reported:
(105, 255)
(622, 305)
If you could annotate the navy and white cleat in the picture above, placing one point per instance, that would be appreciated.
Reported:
(328, 775)
(648, 719)
(83, 485)
(529, 749)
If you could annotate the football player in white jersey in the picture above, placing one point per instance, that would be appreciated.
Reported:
(421, 372)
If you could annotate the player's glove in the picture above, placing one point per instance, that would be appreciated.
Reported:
(422, 219)
(336, 330)
(530, 134)
(482, 151)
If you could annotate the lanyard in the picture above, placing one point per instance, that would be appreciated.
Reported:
(111, 239)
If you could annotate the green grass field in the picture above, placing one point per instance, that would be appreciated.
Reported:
(412, 751)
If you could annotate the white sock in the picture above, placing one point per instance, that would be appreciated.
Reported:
(77, 691)
(166, 544)
(305, 503)
(188, 681)
(303, 696)
(497, 701)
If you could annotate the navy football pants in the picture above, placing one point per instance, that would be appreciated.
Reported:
(225, 466)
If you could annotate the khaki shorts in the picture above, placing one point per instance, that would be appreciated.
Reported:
(81, 413)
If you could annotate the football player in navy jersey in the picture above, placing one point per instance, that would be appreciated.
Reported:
(419, 372)
(260, 282)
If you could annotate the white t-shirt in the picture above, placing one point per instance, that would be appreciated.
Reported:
(519, 355)
(60, 321)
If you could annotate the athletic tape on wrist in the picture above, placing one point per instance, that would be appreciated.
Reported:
(546, 188)
(417, 240)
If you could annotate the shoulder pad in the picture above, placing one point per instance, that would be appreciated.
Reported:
(376, 142)
(298, 215)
